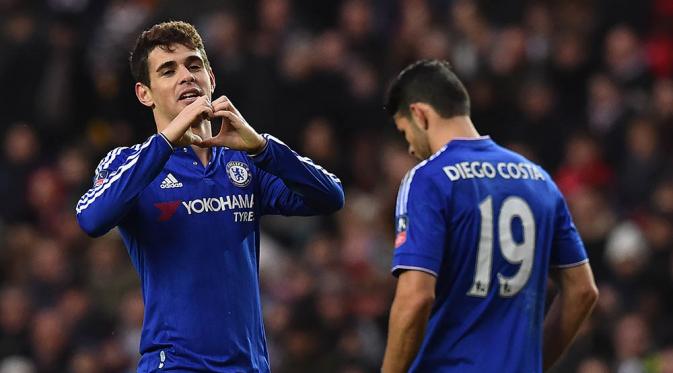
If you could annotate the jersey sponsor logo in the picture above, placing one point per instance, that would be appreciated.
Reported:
(167, 209)
(216, 204)
(101, 177)
(239, 173)
(481, 170)
(211, 204)
(170, 182)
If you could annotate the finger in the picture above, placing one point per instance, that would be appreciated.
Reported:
(229, 121)
(200, 144)
(205, 143)
(230, 105)
(207, 103)
(206, 113)
(219, 100)
(232, 118)
(195, 138)
(191, 138)
(224, 105)
(201, 101)
(233, 108)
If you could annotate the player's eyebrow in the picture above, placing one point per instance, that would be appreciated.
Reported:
(166, 65)
(194, 58)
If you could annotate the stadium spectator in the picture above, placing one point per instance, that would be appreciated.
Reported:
(599, 70)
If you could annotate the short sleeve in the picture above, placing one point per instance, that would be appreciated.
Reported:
(420, 226)
(567, 247)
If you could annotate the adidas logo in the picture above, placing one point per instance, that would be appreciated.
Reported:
(170, 182)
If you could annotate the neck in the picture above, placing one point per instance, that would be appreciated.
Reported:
(450, 129)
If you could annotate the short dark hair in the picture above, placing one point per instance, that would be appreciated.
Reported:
(163, 35)
(432, 82)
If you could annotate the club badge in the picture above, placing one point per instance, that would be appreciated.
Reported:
(239, 173)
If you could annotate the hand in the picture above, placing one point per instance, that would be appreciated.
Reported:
(179, 132)
(235, 132)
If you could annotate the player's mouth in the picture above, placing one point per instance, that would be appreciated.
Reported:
(190, 95)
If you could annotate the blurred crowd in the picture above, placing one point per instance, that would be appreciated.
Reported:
(583, 87)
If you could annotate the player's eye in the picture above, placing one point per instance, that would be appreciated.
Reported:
(195, 67)
(167, 72)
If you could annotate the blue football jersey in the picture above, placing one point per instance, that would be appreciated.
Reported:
(488, 224)
(192, 233)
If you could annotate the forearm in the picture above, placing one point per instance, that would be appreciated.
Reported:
(318, 188)
(405, 335)
(563, 320)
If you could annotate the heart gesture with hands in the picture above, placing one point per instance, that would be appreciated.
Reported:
(179, 132)
(235, 132)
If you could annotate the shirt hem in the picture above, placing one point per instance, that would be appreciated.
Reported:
(570, 265)
(266, 146)
(167, 141)
(413, 268)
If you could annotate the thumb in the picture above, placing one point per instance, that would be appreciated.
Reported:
(204, 143)
(193, 138)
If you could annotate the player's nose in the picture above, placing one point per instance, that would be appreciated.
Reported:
(186, 76)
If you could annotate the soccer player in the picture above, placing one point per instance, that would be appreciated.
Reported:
(479, 228)
(188, 204)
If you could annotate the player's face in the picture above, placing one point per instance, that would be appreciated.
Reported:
(177, 78)
(419, 146)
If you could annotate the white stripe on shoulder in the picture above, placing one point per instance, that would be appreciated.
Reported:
(118, 151)
(403, 196)
(89, 198)
(400, 192)
(85, 201)
(438, 152)
(320, 168)
(274, 138)
(104, 164)
(407, 186)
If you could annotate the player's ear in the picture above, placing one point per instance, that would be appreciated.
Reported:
(212, 80)
(144, 94)
(419, 114)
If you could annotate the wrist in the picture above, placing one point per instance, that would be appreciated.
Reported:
(259, 149)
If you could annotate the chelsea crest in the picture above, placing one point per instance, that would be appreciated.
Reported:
(239, 173)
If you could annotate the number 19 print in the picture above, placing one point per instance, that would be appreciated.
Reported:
(522, 253)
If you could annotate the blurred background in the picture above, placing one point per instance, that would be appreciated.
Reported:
(582, 87)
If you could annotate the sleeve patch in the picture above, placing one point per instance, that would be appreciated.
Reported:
(101, 177)
(401, 230)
